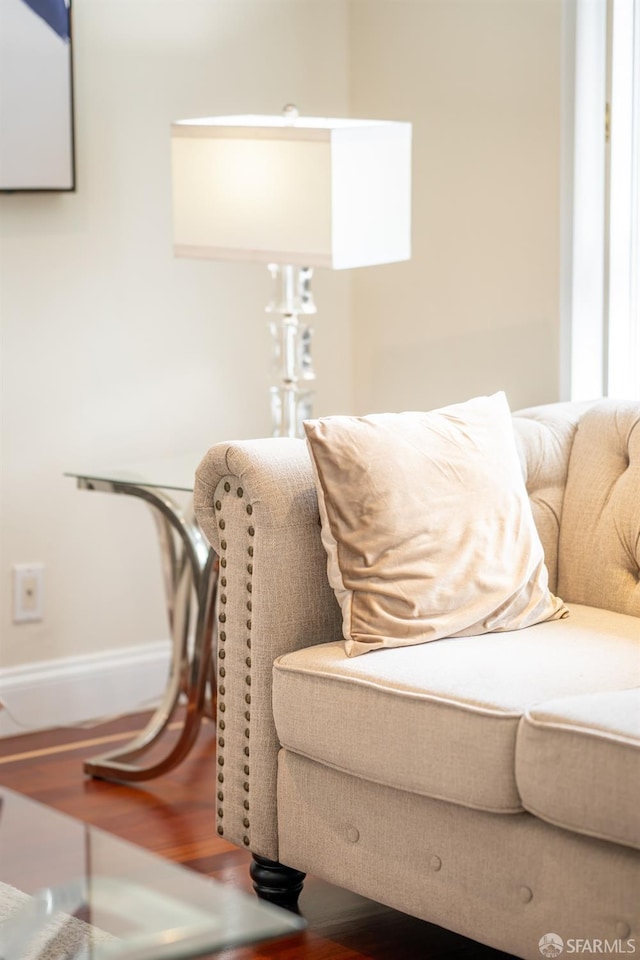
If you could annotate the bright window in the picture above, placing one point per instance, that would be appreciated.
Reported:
(623, 360)
(602, 196)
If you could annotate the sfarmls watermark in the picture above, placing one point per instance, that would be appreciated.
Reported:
(551, 945)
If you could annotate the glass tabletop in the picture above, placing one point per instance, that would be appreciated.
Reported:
(170, 473)
(71, 890)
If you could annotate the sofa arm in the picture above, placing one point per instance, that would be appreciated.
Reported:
(256, 503)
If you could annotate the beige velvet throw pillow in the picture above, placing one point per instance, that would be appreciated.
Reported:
(427, 525)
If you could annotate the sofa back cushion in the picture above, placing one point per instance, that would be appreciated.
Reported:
(599, 544)
(544, 437)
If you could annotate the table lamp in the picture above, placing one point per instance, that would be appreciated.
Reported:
(294, 193)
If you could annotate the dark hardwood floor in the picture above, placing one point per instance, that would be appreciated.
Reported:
(173, 815)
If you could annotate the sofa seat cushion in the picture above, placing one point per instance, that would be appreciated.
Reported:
(441, 719)
(578, 764)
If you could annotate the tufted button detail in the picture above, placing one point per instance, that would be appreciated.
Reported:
(218, 505)
(223, 635)
(223, 544)
(222, 725)
(250, 551)
(222, 672)
(222, 524)
(220, 831)
(227, 486)
(622, 929)
(251, 531)
(240, 492)
(249, 509)
(435, 863)
(245, 840)
(353, 834)
(222, 617)
(525, 894)
(223, 561)
(220, 796)
(221, 778)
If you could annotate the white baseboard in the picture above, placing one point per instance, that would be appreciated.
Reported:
(76, 690)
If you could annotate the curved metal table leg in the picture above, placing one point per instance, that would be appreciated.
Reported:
(190, 570)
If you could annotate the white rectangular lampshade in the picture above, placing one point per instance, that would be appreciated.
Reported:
(313, 192)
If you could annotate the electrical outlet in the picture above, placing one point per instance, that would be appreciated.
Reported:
(28, 588)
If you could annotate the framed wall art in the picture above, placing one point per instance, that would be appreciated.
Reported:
(36, 95)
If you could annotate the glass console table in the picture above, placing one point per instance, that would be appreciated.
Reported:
(70, 890)
(190, 573)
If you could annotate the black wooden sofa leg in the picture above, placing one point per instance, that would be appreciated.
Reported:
(274, 882)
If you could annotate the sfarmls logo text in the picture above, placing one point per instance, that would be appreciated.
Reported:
(551, 945)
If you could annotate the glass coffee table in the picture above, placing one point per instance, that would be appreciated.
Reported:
(69, 891)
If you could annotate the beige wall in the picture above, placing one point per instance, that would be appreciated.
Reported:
(112, 350)
(477, 308)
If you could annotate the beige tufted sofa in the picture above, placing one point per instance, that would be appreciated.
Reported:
(488, 784)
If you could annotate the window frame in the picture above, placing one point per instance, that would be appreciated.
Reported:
(596, 346)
